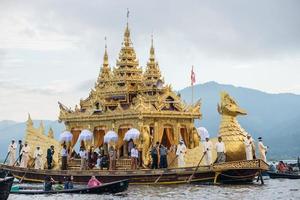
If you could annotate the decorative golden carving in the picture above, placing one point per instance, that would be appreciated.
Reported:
(36, 137)
(232, 133)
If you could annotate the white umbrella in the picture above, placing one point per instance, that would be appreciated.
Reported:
(85, 135)
(110, 136)
(132, 133)
(65, 136)
(203, 133)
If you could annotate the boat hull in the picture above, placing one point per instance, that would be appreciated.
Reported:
(236, 171)
(5, 186)
(283, 175)
(112, 187)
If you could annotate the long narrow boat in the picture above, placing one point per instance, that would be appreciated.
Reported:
(5, 186)
(112, 187)
(284, 175)
(228, 172)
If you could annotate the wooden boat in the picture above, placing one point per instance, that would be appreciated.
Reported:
(289, 175)
(5, 186)
(228, 172)
(112, 187)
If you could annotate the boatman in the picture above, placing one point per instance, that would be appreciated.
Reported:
(83, 157)
(25, 155)
(181, 151)
(20, 148)
(248, 147)
(12, 153)
(221, 151)
(38, 163)
(50, 153)
(262, 149)
(64, 158)
(207, 147)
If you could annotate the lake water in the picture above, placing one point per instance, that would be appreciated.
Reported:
(273, 189)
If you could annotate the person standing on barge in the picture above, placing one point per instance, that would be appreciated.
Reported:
(12, 153)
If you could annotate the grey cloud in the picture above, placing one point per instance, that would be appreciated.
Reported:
(234, 29)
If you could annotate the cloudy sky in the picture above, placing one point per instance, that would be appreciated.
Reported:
(52, 50)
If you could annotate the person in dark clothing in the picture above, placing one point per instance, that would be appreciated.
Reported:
(50, 153)
(154, 156)
(48, 183)
(68, 184)
(20, 148)
(163, 156)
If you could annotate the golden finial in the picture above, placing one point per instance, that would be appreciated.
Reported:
(127, 16)
(105, 57)
(29, 120)
(127, 32)
(152, 53)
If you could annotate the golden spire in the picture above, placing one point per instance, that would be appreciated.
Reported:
(105, 72)
(29, 121)
(152, 73)
(105, 57)
(152, 52)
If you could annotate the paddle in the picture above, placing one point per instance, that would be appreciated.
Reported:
(163, 172)
(27, 170)
(17, 160)
(6, 157)
(191, 177)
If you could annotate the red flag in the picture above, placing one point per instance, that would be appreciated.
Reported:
(193, 76)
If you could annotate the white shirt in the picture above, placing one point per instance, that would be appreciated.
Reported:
(64, 152)
(262, 147)
(207, 146)
(248, 143)
(82, 154)
(134, 153)
(220, 147)
(25, 150)
(38, 153)
(12, 147)
(181, 150)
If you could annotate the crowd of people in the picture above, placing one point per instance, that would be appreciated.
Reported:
(161, 156)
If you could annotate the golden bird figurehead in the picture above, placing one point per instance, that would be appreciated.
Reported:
(229, 107)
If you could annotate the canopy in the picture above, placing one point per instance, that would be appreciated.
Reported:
(85, 135)
(203, 133)
(132, 133)
(65, 136)
(110, 136)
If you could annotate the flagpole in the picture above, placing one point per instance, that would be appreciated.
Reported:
(192, 93)
(193, 80)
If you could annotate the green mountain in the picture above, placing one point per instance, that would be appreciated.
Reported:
(275, 117)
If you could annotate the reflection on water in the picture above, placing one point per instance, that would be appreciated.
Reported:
(273, 189)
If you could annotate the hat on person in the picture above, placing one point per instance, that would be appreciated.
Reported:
(260, 138)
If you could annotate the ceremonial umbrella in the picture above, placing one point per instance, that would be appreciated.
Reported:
(85, 135)
(65, 136)
(203, 133)
(132, 133)
(110, 136)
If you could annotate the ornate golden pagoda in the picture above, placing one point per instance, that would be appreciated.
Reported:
(125, 97)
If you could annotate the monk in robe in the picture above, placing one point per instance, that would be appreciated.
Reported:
(248, 147)
(12, 153)
(25, 155)
(181, 151)
(38, 163)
